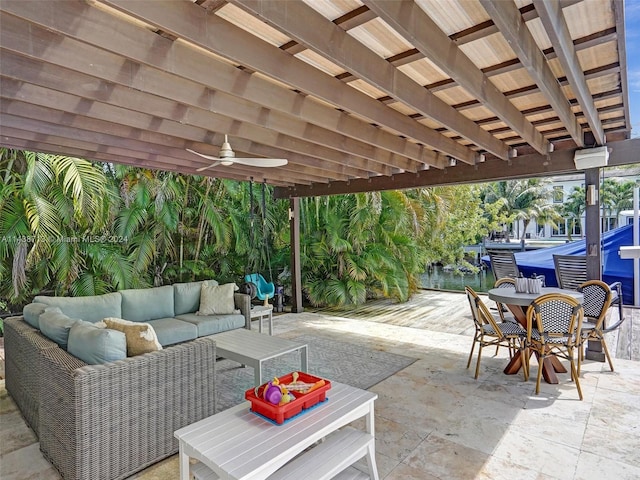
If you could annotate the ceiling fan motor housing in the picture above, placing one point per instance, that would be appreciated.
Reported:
(226, 152)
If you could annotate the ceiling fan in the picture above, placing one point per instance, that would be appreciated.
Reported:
(227, 157)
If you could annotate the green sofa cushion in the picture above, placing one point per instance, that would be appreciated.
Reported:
(186, 297)
(212, 324)
(91, 309)
(144, 304)
(172, 330)
(56, 325)
(95, 345)
(32, 312)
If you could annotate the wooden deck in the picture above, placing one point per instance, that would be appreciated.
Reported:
(449, 312)
(429, 309)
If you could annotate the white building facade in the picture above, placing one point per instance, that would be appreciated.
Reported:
(561, 188)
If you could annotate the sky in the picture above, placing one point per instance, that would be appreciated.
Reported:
(632, 30)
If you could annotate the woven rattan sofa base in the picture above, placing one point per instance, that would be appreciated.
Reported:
(106, 422)
(23, 345)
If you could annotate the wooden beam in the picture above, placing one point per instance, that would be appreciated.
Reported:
(481, 31)
(330, 41)
(139, 80)
(190, 23)
(113, 123)
(49, 129)
(410, 21)
(552, 18)
(509, 21)
(65, 145)
(488, 28)
(529, 89)
(618, 13)
(144, 120)
(622, 152)
(355, 18)
(230, 106)
(92, 155)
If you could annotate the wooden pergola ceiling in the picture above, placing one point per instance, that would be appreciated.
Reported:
(357, 95)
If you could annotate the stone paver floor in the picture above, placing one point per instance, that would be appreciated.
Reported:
(434, 421)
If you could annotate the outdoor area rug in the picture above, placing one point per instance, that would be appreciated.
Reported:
(337, 361)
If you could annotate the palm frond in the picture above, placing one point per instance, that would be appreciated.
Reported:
(130, 220)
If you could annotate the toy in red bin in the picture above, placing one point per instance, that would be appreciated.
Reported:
(298, 392)
(273, 393)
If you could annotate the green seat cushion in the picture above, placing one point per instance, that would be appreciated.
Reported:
(172, 330)
(91, 309)
(56, 325)
(144, 304)
(95, 345)
(212, 324)
(32, 312)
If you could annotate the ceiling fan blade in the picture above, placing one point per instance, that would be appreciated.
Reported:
(260, 162)
(214, 164)
(208, 157)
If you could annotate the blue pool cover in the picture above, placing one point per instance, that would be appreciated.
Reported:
(614, 269)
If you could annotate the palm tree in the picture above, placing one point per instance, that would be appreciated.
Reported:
(52, 207)
(377, 244)
(357, 245)
(616, 196)
(573, 209)
(524, 200)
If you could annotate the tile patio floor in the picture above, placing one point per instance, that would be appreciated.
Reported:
(434, 421)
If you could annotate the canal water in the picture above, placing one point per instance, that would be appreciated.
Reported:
(440, 279)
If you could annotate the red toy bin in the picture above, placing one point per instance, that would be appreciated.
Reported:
(280, 413)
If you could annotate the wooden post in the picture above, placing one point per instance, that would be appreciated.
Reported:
(296, 279)
(592, 230)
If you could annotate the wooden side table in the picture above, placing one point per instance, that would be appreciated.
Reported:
(261, 312)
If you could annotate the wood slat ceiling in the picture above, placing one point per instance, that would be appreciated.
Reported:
(357, 95)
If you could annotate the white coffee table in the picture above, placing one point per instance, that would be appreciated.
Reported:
(237, 444)
(252, 349)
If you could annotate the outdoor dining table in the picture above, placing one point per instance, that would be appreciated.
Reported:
(517, 303)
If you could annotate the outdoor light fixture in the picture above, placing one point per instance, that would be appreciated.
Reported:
(592, 195)
(591, 158)
(452, 162)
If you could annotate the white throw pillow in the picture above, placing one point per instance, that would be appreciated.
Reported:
(217, 299)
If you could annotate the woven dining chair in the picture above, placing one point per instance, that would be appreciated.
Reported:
(489, 332)
(597, 299)
(554, 323)
(505, 282)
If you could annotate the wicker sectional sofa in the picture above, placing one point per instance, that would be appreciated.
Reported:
(108, 421)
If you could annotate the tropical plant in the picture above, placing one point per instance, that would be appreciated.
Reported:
(573, 210)
(51, 209)
(456, 219)
(338, 247)
(616, 196)
(73, 227)
(524, 200)
(377, 244)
